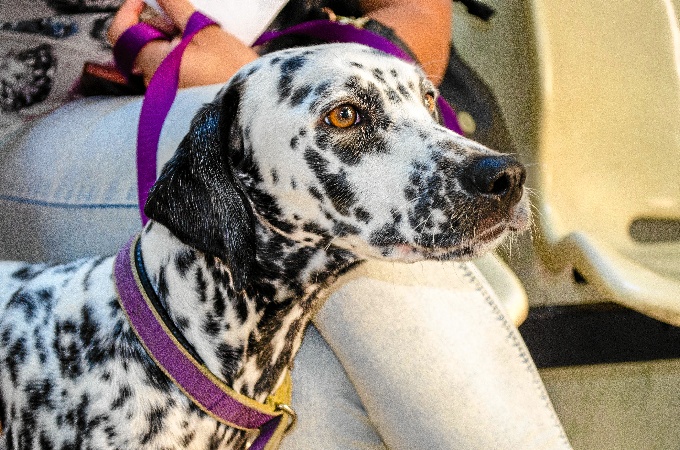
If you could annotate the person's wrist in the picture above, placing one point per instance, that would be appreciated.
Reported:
(150, 58)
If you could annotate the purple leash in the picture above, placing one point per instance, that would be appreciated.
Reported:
(160, 94)
(201, 386)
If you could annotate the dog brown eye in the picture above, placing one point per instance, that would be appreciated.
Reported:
(343, 116)
(430, 103)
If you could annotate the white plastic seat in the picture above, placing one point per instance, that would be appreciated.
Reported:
(591, 94)
(511, 294)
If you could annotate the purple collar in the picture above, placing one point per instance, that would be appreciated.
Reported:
(180, 364)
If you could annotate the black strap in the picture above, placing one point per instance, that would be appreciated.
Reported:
(158, 306)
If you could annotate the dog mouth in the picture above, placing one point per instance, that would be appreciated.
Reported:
(488, 234)
(473, 247)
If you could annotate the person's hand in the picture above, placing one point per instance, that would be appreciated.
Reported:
(212, 56)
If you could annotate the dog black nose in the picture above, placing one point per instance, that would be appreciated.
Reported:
(501, 177)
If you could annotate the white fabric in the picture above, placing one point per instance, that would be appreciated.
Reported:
(245, 20)
(439, 364)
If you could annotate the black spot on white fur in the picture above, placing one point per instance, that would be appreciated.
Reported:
(288, 68)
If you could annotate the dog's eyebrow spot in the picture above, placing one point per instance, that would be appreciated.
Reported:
(380, 76)
(294, 142)
(288, 69)
(403, 91)
(300, 94)
(322, 89)
(393, 96)
(275, 176)
(321, 92)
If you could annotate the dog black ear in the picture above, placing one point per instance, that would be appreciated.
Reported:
(197, 196)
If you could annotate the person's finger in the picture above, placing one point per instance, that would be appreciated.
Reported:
(178, 11)
(127, 16)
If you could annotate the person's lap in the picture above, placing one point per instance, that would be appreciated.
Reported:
(429, 353)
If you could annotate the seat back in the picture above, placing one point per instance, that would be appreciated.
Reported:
(591, 94)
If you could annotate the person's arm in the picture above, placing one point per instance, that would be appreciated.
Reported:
(425, 26)
(213, 55)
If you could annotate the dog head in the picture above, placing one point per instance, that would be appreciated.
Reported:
(336, 144)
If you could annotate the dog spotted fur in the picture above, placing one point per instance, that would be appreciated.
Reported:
(262, 206)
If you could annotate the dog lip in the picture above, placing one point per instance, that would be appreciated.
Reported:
(466, 248)
(492, 232)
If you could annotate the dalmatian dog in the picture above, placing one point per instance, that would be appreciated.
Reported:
(308, 162)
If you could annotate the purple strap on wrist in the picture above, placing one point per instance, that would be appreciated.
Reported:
(130, 43)
(160, 94)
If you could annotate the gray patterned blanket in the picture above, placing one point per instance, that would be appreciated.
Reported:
(44, 45)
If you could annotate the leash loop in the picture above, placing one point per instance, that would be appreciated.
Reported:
(160, 93)
(290, 414)
(130, 43)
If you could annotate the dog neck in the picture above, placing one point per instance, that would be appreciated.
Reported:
(247, 338)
